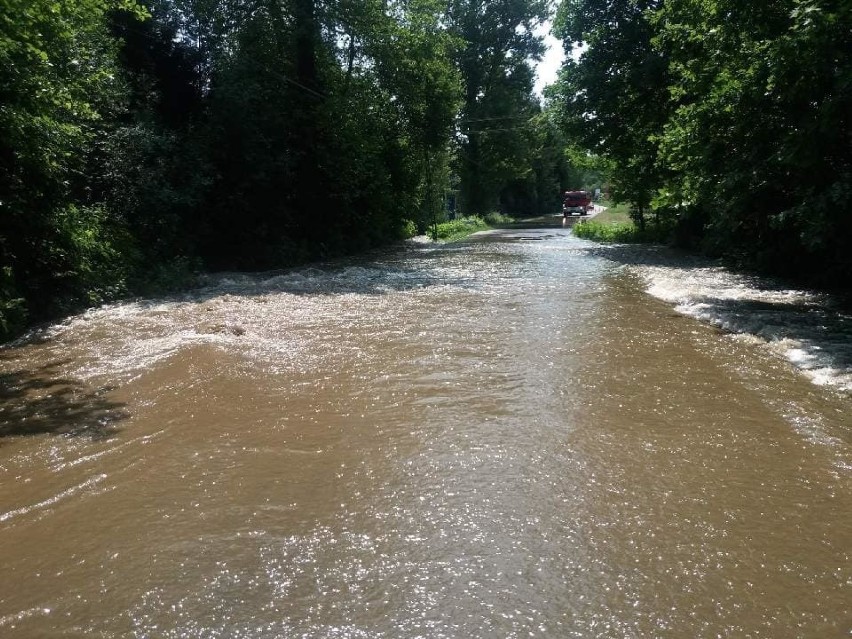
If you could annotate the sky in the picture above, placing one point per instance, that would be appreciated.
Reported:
(549, 66)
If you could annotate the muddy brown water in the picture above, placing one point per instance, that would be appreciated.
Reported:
(503, 438)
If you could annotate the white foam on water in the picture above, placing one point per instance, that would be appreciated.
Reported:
(272, 318)
(275, 317)
(799, 325)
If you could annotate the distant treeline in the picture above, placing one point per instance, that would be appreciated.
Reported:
(140, 141)
(725, 123)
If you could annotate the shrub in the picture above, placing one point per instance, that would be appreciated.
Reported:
(167, 277)
(408, 229)
(457, 229)
(496, 219)
(623, 232)
(616, 232)
(95, 253)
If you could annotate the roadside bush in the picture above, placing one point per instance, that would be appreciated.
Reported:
(625, 232)
(174, 275)
(457, 229)
(496, 219)
(407, 229)
(96, 253)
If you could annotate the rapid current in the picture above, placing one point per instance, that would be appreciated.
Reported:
(522, 435)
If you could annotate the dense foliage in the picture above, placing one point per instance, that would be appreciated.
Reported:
(730, 120)
(616, 232)
(58, 81)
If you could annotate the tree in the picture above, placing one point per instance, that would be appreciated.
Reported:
(494, 62)
(615, 99)
(730, 117)
(151, 172)
(759, 138)
(414, 63)
(58, 81)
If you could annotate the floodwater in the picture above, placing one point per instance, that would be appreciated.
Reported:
(525, 435)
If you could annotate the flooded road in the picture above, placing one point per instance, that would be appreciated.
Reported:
(526, 435)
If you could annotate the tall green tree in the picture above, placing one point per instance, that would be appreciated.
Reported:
(731, 117)
(351, 105)
(414, 58)
(552, 168)
(498, 46)
(615, 98)
(759, 137)
(152, 172)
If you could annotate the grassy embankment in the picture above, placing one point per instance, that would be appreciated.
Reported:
(615, 225)
(612, 225)
(456, 230)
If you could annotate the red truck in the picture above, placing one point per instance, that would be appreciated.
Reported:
(576, 203)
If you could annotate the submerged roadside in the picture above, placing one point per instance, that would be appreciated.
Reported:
(809, 328)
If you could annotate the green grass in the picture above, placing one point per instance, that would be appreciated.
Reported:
(496, 219)
(615, 225)
(621, 232)
(615, 213)
(455, 230)
(612, 225)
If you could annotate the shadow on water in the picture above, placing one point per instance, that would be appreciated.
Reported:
(822, 331)
(38, 401)
(647, 255)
